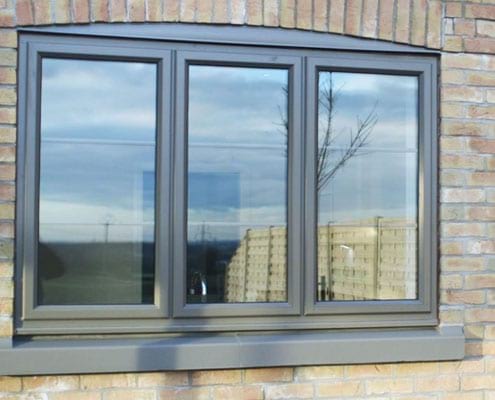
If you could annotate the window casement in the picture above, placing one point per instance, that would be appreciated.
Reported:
(188, 184)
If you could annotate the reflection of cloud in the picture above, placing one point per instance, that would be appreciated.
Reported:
(78, 95)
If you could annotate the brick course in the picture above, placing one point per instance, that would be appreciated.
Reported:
(465, 33)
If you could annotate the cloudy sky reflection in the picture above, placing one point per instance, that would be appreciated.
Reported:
(98, 145)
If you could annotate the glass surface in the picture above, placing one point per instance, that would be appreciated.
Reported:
(367, 186)
(97, 182)
(237, 185)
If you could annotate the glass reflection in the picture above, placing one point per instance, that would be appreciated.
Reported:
(97, 182)
(367, 186)
(237, 185)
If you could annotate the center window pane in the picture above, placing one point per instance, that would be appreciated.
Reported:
(237, 185)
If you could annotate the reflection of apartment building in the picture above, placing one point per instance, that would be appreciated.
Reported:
(361, 260)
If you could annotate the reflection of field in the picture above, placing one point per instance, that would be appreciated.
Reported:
(96, 273)
(363, 260)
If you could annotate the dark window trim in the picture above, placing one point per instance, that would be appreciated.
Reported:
(83, 319)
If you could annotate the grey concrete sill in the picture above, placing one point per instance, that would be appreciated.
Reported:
(67, 356)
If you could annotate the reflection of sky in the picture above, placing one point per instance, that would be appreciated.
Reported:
(97, 149)
(381, 180)
(234, 128)
(98, 143)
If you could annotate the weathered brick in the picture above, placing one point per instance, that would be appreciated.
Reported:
(463, 297)
(418, 26)
(105, 381)
(402, 25)
(24, 12)
(453, 43)
(341, 389)
(187, 10)
(171, 10)
(201, 393)
(463, 26)
(10, 384)
(320, 15)
(486, 146)
(270, 13)
(81, 11)
(8, 38)
(99, 10)
(451, 248)
(163, 379)
(481, 213)
(467, 366)
(290, 391)
(117, 10)
(462, 195)
(480, 11)
(462, 93)
(155, 11)
(8, 96)
(416, 369)
(8, 57)
(386, 20)
(260, 375)
(352, 24)
(463, 229)
(336, 20)
(320, 372)
(396, 385)
(254, 12)
(288, 13)
(7, 18)
(238, 392)
(485, 28)
(221, 11)
(477, 382)
(480, 315)
(238, 11)
(465, 61)
(62, 11)
(216, 377)
(377, 370)
(75, 396)
(130, 395)
(461, 161)
(453, 9)
(304, 14)
(462, 263)
(434, 34)
(481, 179)
(204, 11)
(50, 383)
(480, 45)
(42, 12)
(479, 281)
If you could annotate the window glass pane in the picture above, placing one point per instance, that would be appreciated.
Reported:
(367, 174)
(97, 182)
(237, 185)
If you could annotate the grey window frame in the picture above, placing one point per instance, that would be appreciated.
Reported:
(171, 314)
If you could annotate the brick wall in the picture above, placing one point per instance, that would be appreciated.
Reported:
(465, 32)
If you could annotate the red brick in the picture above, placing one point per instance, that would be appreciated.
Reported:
(99, 10)
(81, 11)
(480, 11)
(386, 20)
(480, 45)
(353, 17)
(24, 12)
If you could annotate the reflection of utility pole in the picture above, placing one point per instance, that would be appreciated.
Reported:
(108, 219)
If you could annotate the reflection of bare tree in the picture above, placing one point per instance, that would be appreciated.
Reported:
(328, 163)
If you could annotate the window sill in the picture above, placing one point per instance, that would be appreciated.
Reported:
(55, 356)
